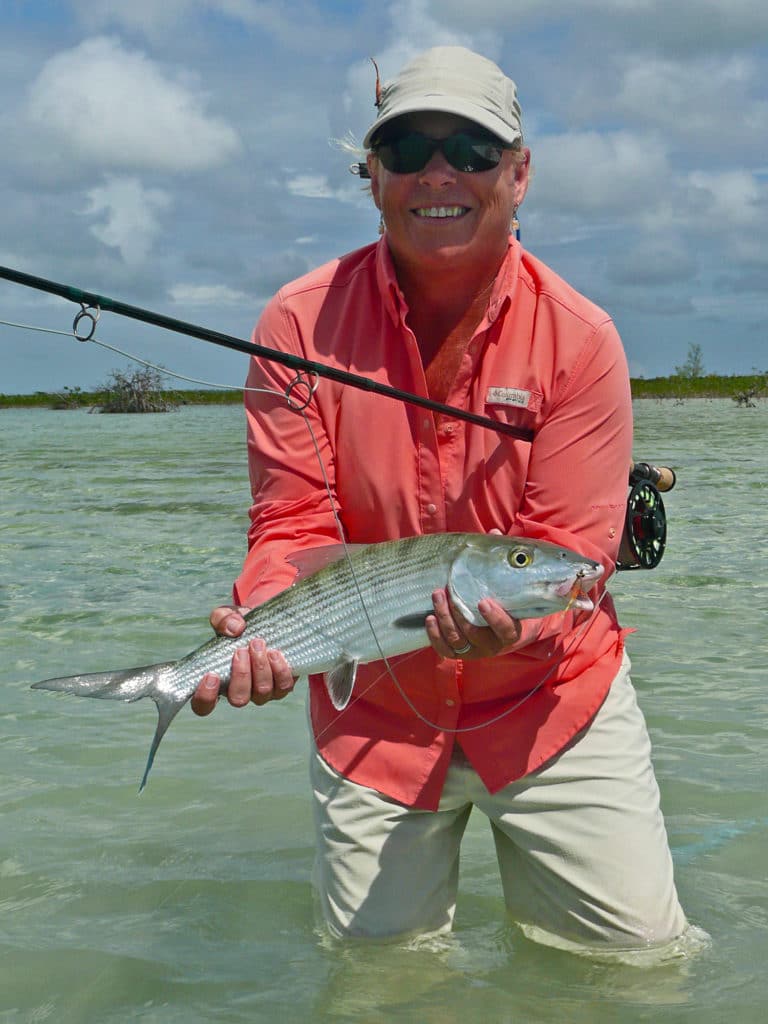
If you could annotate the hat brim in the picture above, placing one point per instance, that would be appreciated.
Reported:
(448, 105)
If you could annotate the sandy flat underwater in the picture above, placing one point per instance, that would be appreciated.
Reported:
(192, 903)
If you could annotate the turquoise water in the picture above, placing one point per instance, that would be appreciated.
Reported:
(192, 902)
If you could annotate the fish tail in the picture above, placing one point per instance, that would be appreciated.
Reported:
(129, 685)
(166, 712)
(126, 684)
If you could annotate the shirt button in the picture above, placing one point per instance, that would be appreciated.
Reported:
(449, 703)
(426, 423)
(431, 509)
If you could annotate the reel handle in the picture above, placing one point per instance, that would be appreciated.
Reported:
(662, 477)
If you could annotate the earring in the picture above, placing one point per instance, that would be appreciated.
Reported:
(382, 225)
(514, 227)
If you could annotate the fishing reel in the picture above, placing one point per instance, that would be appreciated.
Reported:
(645, 524)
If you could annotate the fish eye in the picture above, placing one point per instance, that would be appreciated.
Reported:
(519, 558)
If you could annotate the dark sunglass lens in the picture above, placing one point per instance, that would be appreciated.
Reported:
(470, 153)
(464, 152)
(406, 154)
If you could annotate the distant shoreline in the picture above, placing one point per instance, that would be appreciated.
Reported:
(740, 387)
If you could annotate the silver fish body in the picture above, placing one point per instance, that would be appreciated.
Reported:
(361, 603)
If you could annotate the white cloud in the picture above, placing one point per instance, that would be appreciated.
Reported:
(586, 172)
(317, 186)
(732, 198)
(321, 24)
(685, 26)
(130, 212)
(414, 28)
(706, 100)
(113, 107)
(311, 186)
(207, 295)
(148, 16)
(653, 261)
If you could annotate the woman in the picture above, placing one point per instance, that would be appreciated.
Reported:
(521, 720)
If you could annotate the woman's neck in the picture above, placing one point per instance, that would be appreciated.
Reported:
(443, 317)
(442, 307)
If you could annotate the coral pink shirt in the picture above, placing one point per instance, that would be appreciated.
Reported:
(545, 358)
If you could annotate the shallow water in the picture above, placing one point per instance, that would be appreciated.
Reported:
(192, 903)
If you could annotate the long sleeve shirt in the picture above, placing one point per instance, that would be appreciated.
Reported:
(543, 358)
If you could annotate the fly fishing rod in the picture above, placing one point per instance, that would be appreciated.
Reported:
(92, 301)
(645, 527)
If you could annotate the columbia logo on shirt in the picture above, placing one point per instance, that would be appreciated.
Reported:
(509, 396)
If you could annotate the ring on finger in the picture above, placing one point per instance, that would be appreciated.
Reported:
(463, 650)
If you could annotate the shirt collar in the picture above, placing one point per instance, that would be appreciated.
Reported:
(506, 280)
(389, 289)
(394, 300)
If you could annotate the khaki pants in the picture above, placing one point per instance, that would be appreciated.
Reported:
(581, 845)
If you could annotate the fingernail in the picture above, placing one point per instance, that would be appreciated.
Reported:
(232, 626)
(210, 682)
(276, 661)
(258, 646)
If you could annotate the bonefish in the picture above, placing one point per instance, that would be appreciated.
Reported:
(355, 604)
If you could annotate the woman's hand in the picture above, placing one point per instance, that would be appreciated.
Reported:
(258, 675)
(453, 637)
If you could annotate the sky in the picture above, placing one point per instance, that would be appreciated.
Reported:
(184, 156)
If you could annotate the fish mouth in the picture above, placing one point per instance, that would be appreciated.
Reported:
(574, 588)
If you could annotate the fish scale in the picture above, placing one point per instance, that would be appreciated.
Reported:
(290, 624)
(365, 602)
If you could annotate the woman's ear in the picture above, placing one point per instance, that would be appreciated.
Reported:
(522, 174)
(373, 170)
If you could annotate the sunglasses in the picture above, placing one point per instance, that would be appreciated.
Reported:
(468, 152)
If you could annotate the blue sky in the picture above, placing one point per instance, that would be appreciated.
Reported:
(180, 156)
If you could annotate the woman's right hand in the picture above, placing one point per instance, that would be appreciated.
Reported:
(258, 675)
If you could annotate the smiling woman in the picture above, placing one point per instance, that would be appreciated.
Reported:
(534, 722)
(427, 167)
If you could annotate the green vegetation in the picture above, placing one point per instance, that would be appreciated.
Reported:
(76, 398)
(693, 367)
(138, 390)
(744, 390)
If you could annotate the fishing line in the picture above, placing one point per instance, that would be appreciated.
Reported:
(31, 327)
(92, 304)
(137, 359)
(388, 668)
(310, 382)
(300, 407)
(496, 718)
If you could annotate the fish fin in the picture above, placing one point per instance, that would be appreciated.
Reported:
(414, 621)
(166, 712)
(339, 683)
(126, 684)
(312, 560)
(460, 579)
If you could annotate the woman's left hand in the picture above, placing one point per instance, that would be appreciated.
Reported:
(452, 636)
